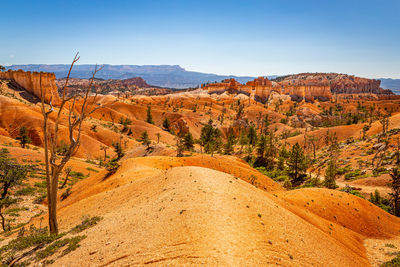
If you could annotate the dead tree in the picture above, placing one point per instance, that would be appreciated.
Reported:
(158, 137)
(75, 116)
(67, 172)
(112, 118)
(398, 151)
(105, 151)
(313, 140)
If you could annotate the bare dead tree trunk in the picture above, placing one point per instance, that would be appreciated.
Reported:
(53, 164)
(3, 221)
(105, 151)
(67, 172)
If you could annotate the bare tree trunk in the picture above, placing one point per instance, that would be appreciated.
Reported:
(3, 221)
(68, 170)
(55, 165)
(53, 203)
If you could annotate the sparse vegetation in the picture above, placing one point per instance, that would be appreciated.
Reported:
(23, 137)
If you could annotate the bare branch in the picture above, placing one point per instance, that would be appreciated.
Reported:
(76, 58)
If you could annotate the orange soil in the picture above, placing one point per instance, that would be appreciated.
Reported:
(162, 210)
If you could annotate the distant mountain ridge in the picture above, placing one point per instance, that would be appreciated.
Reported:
(169, 76)
(392, 84)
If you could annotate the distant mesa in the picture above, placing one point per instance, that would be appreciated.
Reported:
(166, 76)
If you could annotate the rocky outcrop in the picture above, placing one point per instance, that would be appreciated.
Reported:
(31, 82)
(304, 86)
(229, 85)
(276, 98)
(261, 87)
(338, 83)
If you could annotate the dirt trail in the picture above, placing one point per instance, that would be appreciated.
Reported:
(367, 189)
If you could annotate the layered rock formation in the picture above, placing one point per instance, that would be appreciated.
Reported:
(33, 82)
(307, 89)
(339, 83)
(261, 87)
(304, 86)
(230, 85)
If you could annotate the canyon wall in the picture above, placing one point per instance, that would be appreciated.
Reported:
(230, 85)
(355, 85)
(309, 90)
(304, 86)
(339, 83)
(261, 88)
(30, 81)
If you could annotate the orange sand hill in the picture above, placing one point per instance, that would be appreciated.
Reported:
(155, 213)
(164, 210)
(14, 114)
(344, 132)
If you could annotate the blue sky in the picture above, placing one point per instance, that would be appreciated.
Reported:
(223, 37)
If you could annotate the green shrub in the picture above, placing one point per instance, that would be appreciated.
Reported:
(394, 262)
(26, 191)
(354, 174)
(87, 222)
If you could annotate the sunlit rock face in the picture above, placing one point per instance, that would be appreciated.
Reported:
(304, 86)
(33, 82)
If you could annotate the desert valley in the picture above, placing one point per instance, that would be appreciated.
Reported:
(200, 133)
(300, 170)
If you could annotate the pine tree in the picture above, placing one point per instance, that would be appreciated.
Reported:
(395, 194)
(283, 156)
(149, 116)
(144, 139)
(249, 153)
(167, 125)
(266, 123)
(188, 141)
(230, 142)
(11, 175)
(252, 135)
(210, 138)
(331, 171)
(158, 137)
(23, 137)
(297, 164)
(118, 149)
(239, 111)
(261, 146)
(330, 175)
(243, 140)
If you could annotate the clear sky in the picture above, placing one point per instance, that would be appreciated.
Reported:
(246, 37)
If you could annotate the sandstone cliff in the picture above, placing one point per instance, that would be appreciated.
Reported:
(230, 85)
(339, 83)
(30, 81)
(304, 86)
